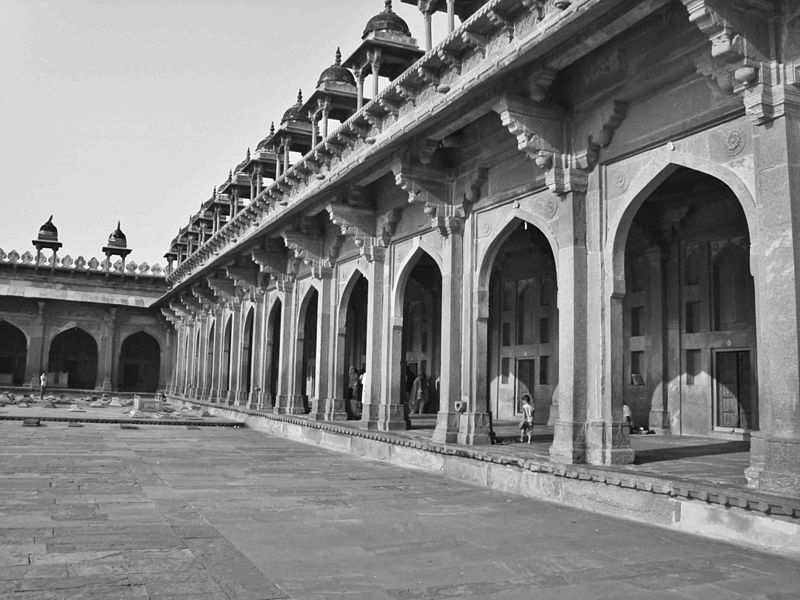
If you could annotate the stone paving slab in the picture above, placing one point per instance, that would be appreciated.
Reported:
(240, 515)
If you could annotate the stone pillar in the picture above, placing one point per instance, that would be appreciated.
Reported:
(180, 380)
(186, 384)
(234, 392)
(334, 407)
(359, 72)
(655, 351)
(286, 359)
(447, 420)
(427, 13)
(202, 364)
(375, 62)
(166, 364)
(326, 109)
(475, 424)
(36, 361)
(105, 356)
(451, 16)
(213, 376)
(323, 370)
(381, 408)
(607, 434)
(775, 254)
(257, 353)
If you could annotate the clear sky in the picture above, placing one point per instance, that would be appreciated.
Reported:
(133, 110)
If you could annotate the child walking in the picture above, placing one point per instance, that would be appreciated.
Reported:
(526, 425)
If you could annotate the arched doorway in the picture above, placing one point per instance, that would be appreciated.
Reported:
(225, 367)
(355, 346)
(307, 347)
(688, 314)
(523, 324)
(273, 351)
(13, 354)
(420, 360)
(73, 359)
(139, 363)
(246, 385)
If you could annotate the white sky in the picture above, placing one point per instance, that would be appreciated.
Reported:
(135, 109)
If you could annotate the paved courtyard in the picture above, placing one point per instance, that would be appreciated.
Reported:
(100, 512)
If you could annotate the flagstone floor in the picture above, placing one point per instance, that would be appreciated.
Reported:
(170, 513)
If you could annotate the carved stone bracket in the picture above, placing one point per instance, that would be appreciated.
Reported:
(224, 289)
(180, 311)
(193, 305)
(206, 298)
(742, 57)
(244, 278)
(423, 184)
(474, 192)
(540, 134)
(354, 221)
(539, 129)
(269, 261)
(310, 249)
(613, 116)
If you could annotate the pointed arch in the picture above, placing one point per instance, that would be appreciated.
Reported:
(74, 352)
(273, 348)
(344, 299)
(661, 166)
(139, 363)
(421, 249)
(507, 225)
(13, 353)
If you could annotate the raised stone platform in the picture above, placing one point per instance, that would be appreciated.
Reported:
(699, 503)
(35, 409)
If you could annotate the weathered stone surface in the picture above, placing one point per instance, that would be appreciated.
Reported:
(346, 527)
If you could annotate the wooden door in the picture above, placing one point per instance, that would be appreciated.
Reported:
(733, 389)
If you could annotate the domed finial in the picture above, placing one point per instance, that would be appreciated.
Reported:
(300, 97)
(272, 128)
(338, 61)
(388, 6)
(118, 226)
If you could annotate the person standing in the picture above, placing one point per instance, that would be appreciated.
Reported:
(350, 394)
(419, 394)
(526, 425)
(359, 393)
(42, 384)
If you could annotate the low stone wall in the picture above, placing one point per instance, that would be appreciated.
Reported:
(767, 523)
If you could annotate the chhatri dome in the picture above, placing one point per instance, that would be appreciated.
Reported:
(295, 112)
(117, 239)
(48, 232)
(386, 22)
(336, 73)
